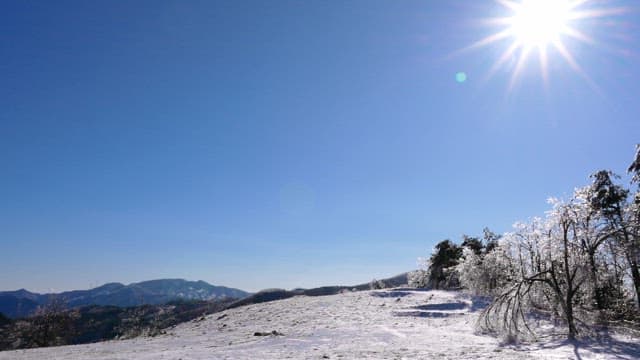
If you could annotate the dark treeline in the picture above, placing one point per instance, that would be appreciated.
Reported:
(54, 325)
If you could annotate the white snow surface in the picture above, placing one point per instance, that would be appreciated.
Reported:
(383, 324)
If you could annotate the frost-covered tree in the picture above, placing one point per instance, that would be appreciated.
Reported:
(631, 236)
(551, 272)
(564, 262)
(634, 168)
(490, 239)
(582, 258)
(622, 218)
(485, 273)
(471, 272)
(597, 237)
(472, 243)
(418, 279)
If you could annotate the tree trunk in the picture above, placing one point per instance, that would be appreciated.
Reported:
(570, 319)
(570, 289)
(631, 252)
(635, 274)
(594, 280)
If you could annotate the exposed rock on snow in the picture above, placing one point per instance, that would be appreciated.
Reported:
(274, 333)
(393, 324)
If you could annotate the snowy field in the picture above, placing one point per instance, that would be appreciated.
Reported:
(385, 324)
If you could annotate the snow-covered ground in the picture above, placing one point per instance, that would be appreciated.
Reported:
(385, 324)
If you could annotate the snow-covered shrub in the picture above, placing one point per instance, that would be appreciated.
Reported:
(418, 278)
(377, 284)
(485, 273)
(472, 274)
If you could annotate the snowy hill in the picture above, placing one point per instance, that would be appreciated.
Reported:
(384, 324)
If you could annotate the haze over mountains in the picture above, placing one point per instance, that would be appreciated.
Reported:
(22, 303)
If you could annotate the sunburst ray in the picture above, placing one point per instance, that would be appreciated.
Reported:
(542, 27)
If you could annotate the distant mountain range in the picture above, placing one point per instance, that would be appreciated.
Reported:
(23, 303)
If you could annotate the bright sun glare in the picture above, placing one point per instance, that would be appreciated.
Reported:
(542, 27)
(539, 22)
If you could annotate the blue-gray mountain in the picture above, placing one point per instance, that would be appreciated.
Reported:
(23, 303)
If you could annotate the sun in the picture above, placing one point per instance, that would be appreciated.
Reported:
(539, 23)
(541, 29)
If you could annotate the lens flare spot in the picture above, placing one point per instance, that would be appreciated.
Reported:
(461, 77)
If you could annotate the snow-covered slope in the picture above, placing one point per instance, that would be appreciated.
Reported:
(389, 324)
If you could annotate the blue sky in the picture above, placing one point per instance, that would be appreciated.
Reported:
(261, 144)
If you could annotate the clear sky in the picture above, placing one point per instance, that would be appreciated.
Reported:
(259, 144)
